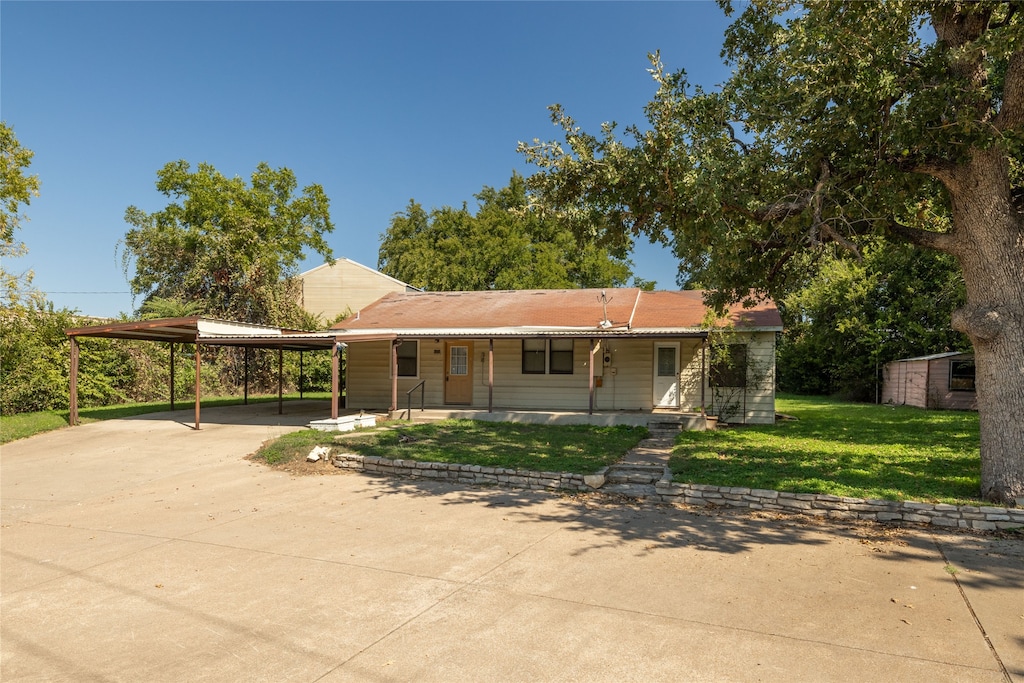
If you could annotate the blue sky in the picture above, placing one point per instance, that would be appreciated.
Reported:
(378, 102)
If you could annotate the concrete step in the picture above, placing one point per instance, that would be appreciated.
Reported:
(634, 474)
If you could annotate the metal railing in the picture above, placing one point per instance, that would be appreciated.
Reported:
(408, 396)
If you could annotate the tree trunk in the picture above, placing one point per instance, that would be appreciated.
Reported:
(989, 245)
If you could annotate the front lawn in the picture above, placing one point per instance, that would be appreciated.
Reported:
(844, 449)
(580, 449)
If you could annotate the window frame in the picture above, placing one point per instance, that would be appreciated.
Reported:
(533, 354)
(561, 354)
(960, 363)
(415, 343)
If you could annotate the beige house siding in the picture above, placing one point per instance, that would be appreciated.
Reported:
(626, 383)
(344, 286)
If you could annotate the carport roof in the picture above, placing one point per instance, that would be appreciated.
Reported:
(195, 329)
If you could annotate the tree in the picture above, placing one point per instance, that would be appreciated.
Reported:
(232, 247)
(854, 315)
(16, 188)
(840, 120)
(506, 245)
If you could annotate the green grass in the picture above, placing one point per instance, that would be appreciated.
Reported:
(844, 449)
(580, 449)
(24, 425)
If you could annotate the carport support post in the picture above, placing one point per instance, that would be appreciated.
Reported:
(198, 383)
(300, 373)
(245, 381)
(280, 381)
(73, 398)
(172, 376)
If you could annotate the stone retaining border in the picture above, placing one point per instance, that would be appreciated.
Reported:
(704, 495)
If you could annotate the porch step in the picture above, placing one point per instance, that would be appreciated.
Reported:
(622, 473)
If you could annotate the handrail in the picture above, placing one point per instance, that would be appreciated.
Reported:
(408, 396)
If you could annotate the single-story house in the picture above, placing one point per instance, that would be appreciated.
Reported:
(941, 381)
(344, 286)
(581, 349)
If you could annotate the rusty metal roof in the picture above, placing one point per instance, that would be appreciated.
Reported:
(610, 312)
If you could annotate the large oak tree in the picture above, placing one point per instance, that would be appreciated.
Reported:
(840, 119)
(226, 247)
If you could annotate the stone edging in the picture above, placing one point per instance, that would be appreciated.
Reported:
(704, 495)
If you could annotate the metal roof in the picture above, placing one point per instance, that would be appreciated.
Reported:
(212, 331)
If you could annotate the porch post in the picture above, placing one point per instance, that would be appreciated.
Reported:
(335, 367)
(73, 387)
(394, 375)
(591, 365)
(280, 381)
(198, 377)
(172, 376)
(490, 375)
(703, 371)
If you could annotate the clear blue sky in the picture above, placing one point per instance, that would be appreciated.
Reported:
(378, 102)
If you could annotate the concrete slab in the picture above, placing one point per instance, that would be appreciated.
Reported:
(144, 550)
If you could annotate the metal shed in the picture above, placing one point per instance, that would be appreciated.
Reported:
(941, 381)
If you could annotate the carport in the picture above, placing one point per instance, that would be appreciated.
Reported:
(201, 332)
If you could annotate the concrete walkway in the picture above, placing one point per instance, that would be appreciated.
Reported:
(142, 550)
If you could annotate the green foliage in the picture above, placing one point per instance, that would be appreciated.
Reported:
(16, 188)
(229, 247)
(35, 364)
(855, 315)
(506, 245)
(840, 120)
(842, 449)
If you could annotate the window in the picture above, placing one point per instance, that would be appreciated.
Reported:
(534, 361)
(729, 366)
(561, 357)
(536, 352)
(408, 355)
(961, 375)
(666, 361)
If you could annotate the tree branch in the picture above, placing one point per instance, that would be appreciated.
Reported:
(939, 241)
(1011, 114)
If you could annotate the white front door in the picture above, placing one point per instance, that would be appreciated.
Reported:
(666, 375)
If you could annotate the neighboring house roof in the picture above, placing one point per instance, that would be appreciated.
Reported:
(590, 312)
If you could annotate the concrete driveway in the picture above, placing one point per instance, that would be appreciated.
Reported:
(142, 550)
